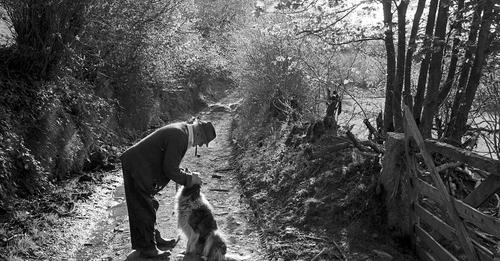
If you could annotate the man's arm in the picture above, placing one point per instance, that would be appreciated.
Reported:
(172, 158)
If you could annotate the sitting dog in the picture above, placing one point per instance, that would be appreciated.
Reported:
(196, 220)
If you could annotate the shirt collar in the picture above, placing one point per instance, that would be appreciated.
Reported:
(190, 135)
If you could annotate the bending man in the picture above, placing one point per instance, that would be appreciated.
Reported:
(148, 166)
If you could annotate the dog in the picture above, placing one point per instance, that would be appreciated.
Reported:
(196, 220)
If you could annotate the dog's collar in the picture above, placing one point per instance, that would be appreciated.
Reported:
(190, 135)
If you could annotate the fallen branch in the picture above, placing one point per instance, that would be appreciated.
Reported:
(356, 142)
(316, 257)
(334, 148)
(317, 238)
(371, 149)
(340, 250)
(479, 172)
(219, 190)
(376, 147)
(467, 172)
(378, 137)
(224, 169)
(485, 237)
(448, 165)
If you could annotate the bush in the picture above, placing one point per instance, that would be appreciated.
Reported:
(43, 30)
(138, 51)
(73, 123)
(21, 174)
(274, 85)
(52, 136)
(80, 72)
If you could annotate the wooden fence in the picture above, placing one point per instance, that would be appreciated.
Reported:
(442, 227)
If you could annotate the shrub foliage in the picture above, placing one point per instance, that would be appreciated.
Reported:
(82, 74)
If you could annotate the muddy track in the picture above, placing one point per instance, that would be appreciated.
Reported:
(110, 237)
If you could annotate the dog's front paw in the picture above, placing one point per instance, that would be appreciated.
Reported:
(179, 257)
(188, 257)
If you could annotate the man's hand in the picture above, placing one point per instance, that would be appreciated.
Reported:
(195, 178)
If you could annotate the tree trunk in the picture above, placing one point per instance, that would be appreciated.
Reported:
(391, 64)
(409, 54)
(465, 70)
(435, 71)
(483, 42)
(424, 65)
(457, 27)
(398, 81)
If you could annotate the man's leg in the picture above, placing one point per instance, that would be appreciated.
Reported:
(161, 242)
(142, 217)
(141, 214)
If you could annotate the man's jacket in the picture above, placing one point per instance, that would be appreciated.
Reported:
(155, 160)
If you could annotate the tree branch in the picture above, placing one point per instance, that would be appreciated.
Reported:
(357, 41)
(348, 11)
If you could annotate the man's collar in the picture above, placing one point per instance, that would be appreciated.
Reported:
(190, 135)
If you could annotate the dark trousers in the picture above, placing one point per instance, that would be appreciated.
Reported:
(142, 207)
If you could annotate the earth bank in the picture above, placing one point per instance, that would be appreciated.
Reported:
(313, 200)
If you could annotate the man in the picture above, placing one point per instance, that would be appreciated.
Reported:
(148, 166)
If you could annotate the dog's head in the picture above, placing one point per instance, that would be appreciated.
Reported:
(192, 192)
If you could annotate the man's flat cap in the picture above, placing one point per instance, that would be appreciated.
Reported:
(208, 130)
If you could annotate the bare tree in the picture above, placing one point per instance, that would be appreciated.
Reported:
(391, 64)
(457, 125)
(474, 18)
(452, 68)
(435, 72)
(424, 65)
(411, 50)
(400, 66)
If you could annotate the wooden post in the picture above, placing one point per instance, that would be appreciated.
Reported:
(447, 199)
(411, 168)
(393, 184)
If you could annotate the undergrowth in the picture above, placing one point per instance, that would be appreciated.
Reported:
(31, 227)
(309, 200)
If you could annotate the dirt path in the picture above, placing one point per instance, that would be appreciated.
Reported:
(110, 239)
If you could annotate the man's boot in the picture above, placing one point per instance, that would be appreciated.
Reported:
(153, 253)
(164, 243)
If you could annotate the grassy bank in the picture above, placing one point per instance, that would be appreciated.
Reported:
(313, 199)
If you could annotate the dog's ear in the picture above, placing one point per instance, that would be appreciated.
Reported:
(192, 192)
(195, 192)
